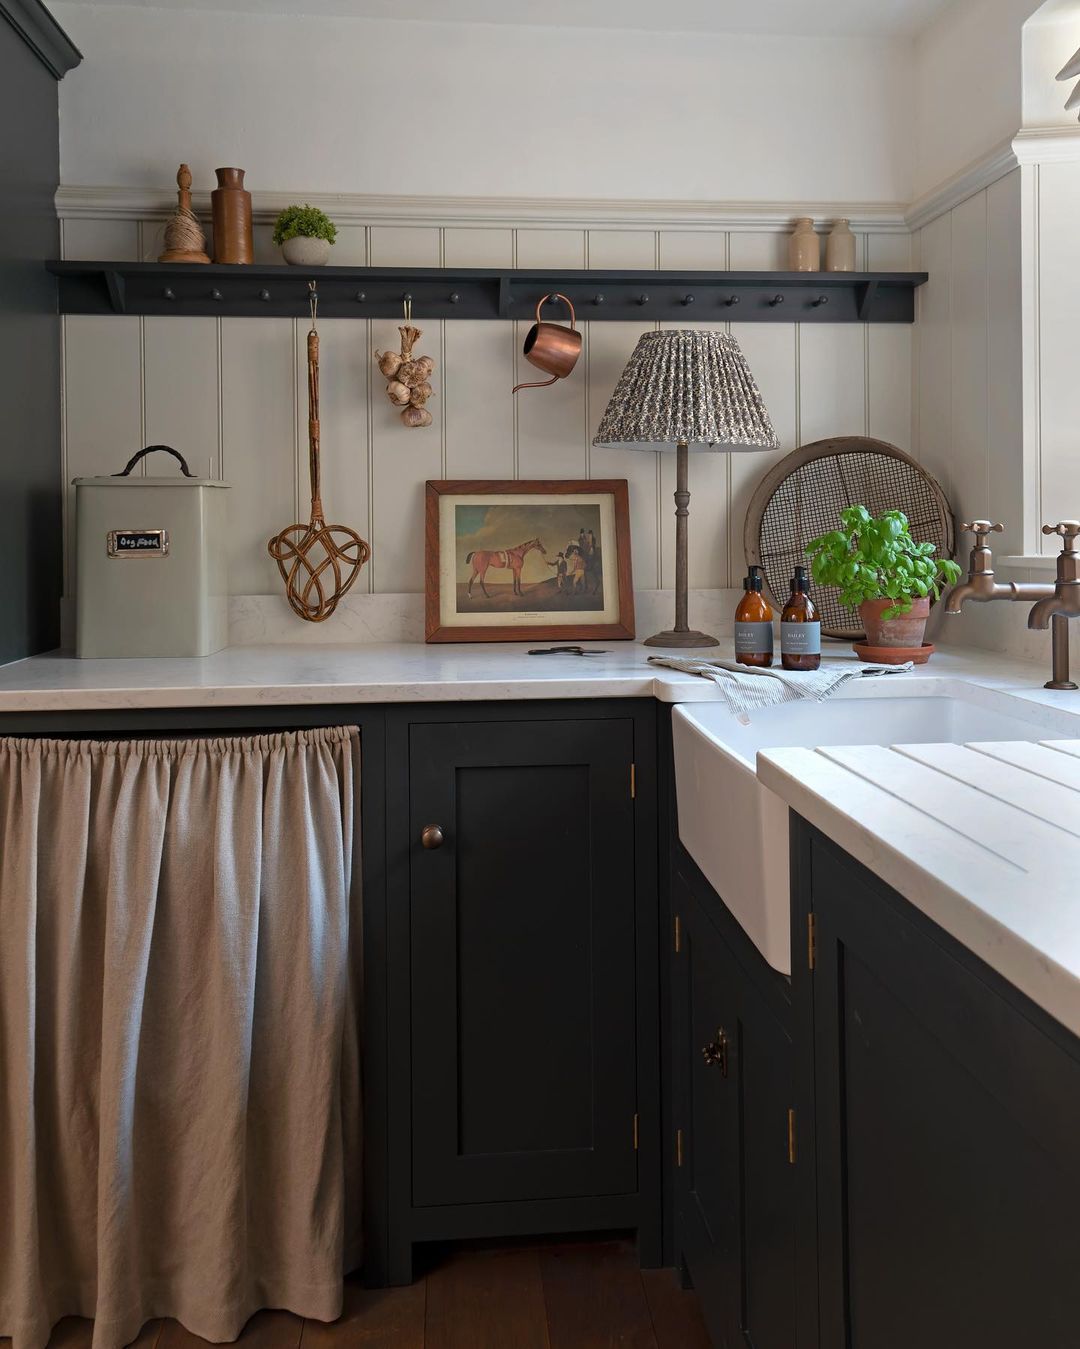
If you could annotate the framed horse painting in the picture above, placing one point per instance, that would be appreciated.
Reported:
(521, 561)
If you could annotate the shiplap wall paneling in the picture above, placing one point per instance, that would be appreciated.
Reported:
(182, 393)
(889, 352)
(403, 458)
(832, 381)
(1005, 403)
(968, 360)
(100, 240)
(1059, 291)
(610, 345)
(552, 435)
(608, 348)
(103, 415)
(259, 445)
(934, 344)
(693, 250)
(478, 371)
(772, 352)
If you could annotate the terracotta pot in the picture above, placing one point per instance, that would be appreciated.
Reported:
(904, 630)
(304, 252)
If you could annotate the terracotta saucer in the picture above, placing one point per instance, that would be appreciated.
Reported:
(894, 655)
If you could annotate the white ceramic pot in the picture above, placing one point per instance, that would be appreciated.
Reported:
(304, 252)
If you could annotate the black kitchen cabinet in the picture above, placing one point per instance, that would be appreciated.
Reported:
(735, 1112)
(947, 1109)
(525, 912)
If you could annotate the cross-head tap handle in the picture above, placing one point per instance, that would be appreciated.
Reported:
(1068, 529)
(981, 529)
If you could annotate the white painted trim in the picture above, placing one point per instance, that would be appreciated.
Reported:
(973, 178)
(127, 203)
(1047, 145)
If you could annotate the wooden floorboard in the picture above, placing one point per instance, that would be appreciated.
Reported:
(486, 1300)
(675, 1311)
(373, 1318)
(595, 1298)
(265, 1330)
(583, 1294)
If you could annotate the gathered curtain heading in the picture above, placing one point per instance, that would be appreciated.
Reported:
(179, 1030)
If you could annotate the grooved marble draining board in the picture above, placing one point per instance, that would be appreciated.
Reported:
(983, 838)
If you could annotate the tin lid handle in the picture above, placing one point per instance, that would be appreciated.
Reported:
(150, 450)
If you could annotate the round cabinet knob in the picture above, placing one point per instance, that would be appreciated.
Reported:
(431, 836)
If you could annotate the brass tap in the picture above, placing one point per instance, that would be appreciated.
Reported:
(981, 584)
(1062, 603)
(1054, 604)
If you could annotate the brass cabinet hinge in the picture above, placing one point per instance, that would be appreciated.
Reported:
(633, 781)
(791, 1149)
(635, 1133)
(811, 940)
(678, 1147)
(678, 935)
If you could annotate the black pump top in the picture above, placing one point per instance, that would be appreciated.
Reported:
(753, 581)
(800, 581)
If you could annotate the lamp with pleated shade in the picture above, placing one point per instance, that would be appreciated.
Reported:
(685, 390)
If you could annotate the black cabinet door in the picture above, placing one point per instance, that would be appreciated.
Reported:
(948, 1176)
(736, 1185)
(523, 961)
(707, 1116)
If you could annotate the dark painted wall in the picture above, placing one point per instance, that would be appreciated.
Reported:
(30, 489)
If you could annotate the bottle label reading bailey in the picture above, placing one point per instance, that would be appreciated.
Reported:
(753, 639)
(800, 639)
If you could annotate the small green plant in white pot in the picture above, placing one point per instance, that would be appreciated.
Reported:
(305, 235)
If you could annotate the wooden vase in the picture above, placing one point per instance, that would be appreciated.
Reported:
(232, 218)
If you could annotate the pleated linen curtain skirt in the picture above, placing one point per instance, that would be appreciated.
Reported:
(179, 1056)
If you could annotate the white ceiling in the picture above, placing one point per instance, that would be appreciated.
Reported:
(834, 18)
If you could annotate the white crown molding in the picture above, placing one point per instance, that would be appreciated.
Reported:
(972, 178)
(1031, 145)
(126, 203)
(1047, 145)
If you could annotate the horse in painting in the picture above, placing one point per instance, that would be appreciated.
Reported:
(500, 559)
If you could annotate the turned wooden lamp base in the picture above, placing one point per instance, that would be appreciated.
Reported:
(689, 637)
(682, 634)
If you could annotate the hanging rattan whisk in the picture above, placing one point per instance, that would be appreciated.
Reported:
(318, 562)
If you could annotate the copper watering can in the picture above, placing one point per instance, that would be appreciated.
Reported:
(551, 348)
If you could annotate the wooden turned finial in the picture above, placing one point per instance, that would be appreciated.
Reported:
(184, 237)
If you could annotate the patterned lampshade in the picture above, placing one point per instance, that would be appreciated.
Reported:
(687, 385)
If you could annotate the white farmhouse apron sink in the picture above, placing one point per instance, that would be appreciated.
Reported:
(737, 831)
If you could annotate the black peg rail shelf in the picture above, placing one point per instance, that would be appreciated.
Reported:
(279, 291)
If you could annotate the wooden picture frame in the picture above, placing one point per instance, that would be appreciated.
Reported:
(587, 591)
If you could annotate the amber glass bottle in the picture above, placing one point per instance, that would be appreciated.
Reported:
(753, 624)
(800, 627)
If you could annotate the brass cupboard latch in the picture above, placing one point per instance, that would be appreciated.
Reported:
(715, 1053)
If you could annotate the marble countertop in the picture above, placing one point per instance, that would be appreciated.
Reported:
(250, 676)
(982, 838)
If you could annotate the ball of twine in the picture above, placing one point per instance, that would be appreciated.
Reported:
(183, 233)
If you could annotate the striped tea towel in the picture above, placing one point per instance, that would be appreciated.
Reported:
(747, 688)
